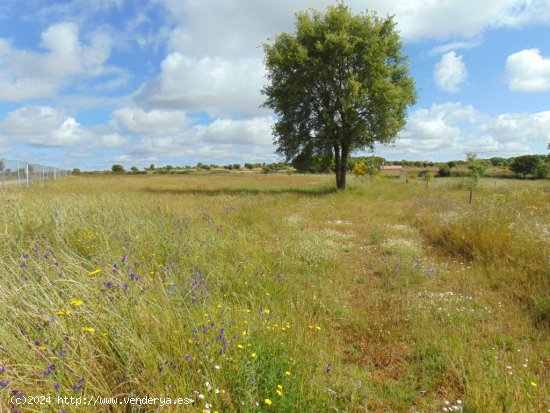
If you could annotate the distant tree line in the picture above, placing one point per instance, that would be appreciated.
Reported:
(525, 166)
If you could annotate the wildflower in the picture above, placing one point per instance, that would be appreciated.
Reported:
(2, 369)
(88, 330)
(288, 373)
(76, 303)
(268, 402)
(56, 386)
(95, 272)
(240, 346)
(76, 387)
(317, 328)
(534, 384)
(253, 355)
(266, 311)
(4, 383)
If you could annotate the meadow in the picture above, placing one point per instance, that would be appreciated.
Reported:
(275, 293)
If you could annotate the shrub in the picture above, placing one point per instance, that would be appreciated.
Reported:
(444, 170)
(117, 169)
(525, 165)
(542, 169)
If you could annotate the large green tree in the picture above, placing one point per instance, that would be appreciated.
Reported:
(339, 84)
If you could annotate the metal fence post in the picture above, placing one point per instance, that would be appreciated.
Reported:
(18, 174)
(27, 174)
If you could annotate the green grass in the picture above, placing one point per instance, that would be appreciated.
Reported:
(383, 298)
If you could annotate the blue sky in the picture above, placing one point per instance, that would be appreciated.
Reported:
(91, 83)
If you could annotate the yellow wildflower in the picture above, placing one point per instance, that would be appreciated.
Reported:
(88, 330)
(76, 303)
(253, 355)
(268, 402)
(534, 384)
(64, 312)
(317, 328)
(288, 373)
(95, 272)
(240, 346)
(280, 392)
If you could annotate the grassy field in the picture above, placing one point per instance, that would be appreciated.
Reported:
(274, 293)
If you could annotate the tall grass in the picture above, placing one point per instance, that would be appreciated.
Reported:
(274, 293)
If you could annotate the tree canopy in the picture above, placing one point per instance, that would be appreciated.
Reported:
(337, 85)
(529, 165)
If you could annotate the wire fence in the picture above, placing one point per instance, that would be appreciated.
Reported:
(24, 174)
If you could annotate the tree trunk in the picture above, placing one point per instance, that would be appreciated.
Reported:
(337, 165)
(343, 168)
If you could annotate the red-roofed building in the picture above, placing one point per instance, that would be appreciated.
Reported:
(391, 170)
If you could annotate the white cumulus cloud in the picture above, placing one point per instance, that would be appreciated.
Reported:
(450, 72)
(45, 126)
(214, 85)
(28, 75)
(153, 122)
(223, 138)
(449, 130)
(528, 71)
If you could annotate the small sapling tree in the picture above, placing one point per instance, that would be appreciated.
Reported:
(476, 169)
(428, 176)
